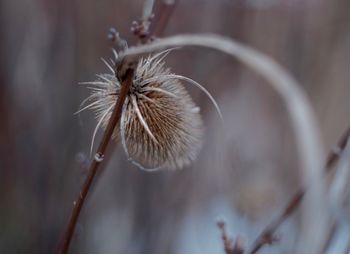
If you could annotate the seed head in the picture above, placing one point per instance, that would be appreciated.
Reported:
(160, 126)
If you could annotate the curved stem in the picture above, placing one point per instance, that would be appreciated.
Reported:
(310, 148)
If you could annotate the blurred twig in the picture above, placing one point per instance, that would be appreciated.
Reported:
(268, 232)
(231, 247)
(152, 25)
(163, 13)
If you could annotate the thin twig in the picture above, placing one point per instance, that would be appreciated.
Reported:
(151, 26)
(163, 13)
(268, 232)
(96, 162)
(125, 73)
(231, 246)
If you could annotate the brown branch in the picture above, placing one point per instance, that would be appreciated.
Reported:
(151, 26)
(96, 162)
(125, 73)
(163, 14)
(268, 233)
(230, 246)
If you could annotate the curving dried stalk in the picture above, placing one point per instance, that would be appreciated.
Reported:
(310, 148)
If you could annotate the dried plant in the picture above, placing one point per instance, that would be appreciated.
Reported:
(247, 170)
(161, 126)
(137, 86)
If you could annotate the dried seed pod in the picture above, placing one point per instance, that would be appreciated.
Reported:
(160, 126)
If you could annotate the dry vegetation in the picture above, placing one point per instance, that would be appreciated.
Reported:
(263, 169)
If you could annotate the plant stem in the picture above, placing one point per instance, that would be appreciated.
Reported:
(126, 78)
(96, 162)
(163, 14)
(267, 234)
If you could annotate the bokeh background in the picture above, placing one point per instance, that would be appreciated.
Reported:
(248, 168)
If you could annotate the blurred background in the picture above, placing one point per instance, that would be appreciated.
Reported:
(248, 168)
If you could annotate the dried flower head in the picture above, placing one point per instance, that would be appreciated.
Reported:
(160, 126)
